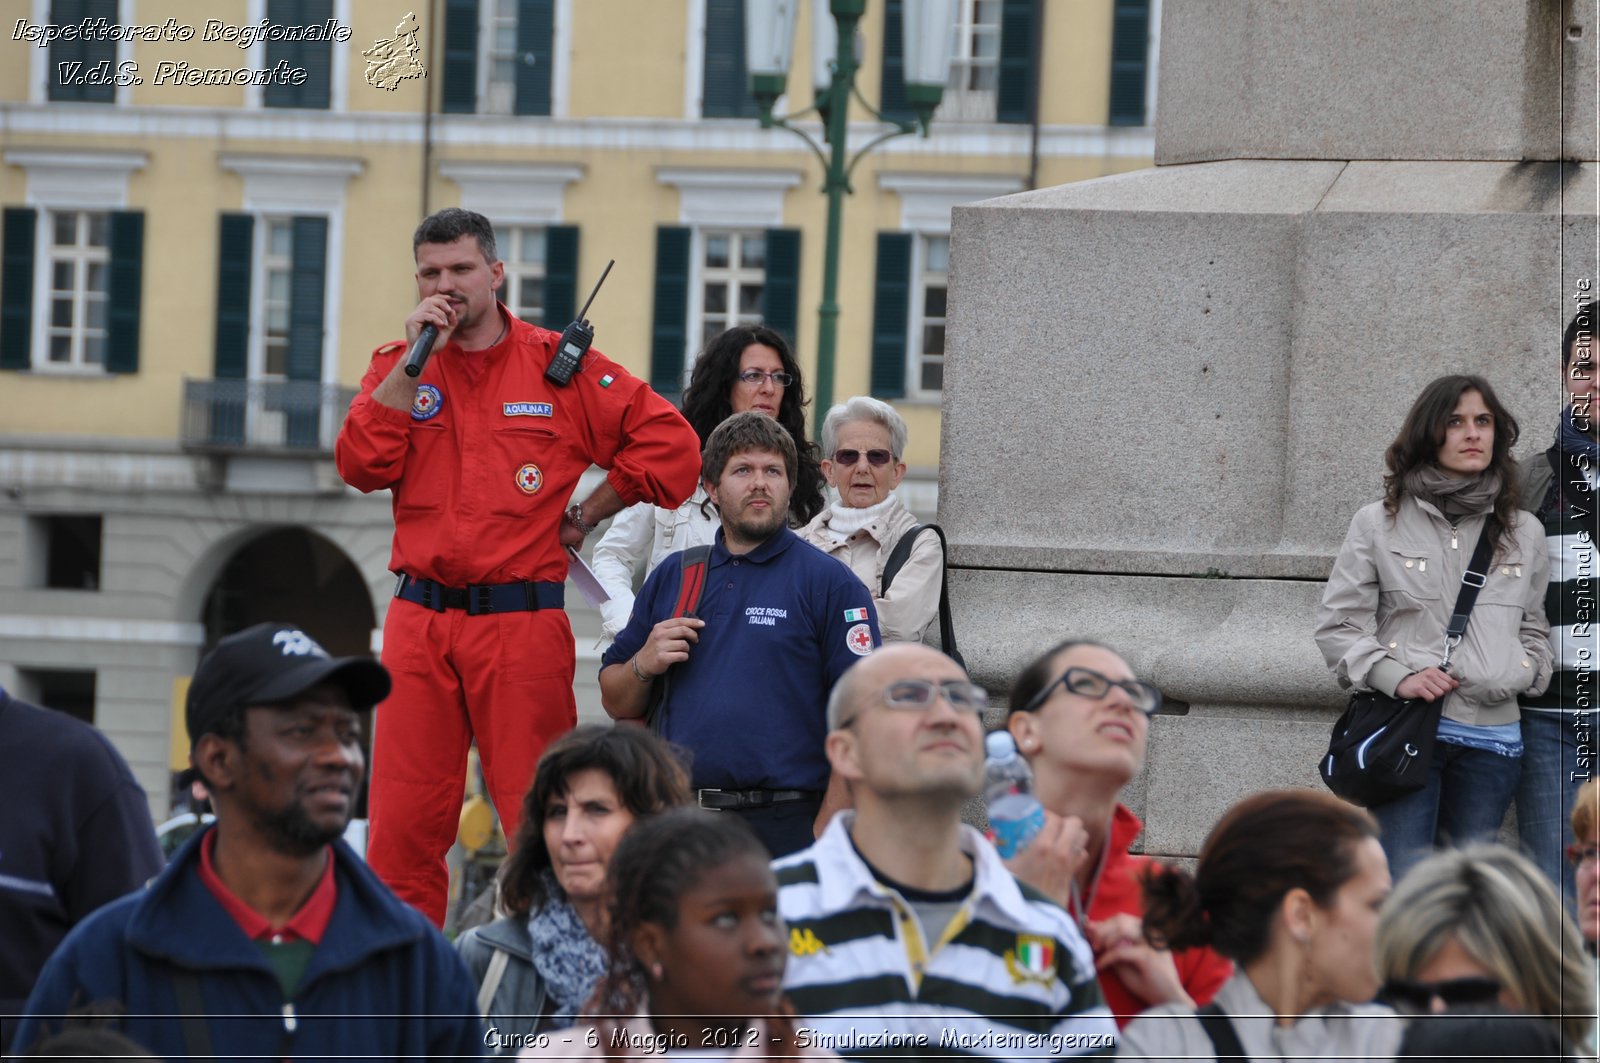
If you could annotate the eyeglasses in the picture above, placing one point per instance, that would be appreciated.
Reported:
(1418, 997)
(919, 694)
(1578, 855)
(754, 377)
(876, 458)
(1088, 683)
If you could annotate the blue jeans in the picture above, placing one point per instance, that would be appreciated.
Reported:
(1548, 792)
(1465, 800)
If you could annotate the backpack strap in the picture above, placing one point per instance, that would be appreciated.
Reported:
(1219, 1030)
(196, 1034)
(691, 586)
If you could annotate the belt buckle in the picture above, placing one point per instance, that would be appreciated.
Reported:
(432, 595)
(479, 600)
(700, 799)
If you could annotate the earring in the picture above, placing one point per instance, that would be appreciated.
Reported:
(655, 972)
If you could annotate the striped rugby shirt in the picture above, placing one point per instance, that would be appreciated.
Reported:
(1570, 526)
(1011, 978)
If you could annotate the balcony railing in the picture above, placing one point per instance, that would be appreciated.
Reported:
(291, 416)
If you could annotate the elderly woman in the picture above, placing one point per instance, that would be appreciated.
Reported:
(1483, 926)
(863, 444)
(537, 966)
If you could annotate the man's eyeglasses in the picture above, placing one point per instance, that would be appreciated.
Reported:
(848, 458)
(919, 694)
(754, 377)
(1418, 997)
(1578, 855)
(1088, 683)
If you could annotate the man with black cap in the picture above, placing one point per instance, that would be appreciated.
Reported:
(266, 935)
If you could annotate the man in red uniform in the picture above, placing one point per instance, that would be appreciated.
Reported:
(481, 453)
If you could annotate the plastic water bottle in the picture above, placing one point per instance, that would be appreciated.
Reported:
(1015, 815)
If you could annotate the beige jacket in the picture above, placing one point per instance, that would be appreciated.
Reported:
(912, 605)
(1389, 599)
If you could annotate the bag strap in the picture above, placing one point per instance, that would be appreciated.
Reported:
(692, 584)
(900, 555)
(196, 1034)
(1220, 1032)
(1472, 581)
(897, 560)
(491, 980)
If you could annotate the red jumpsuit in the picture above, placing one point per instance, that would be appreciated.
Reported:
(481, 468)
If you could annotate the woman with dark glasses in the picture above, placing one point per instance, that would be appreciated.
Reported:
(862, 443)
(1483, 926)
(1081, 719)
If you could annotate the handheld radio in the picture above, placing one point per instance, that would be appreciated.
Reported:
(575, 340)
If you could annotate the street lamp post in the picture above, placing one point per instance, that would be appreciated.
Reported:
(769, 42)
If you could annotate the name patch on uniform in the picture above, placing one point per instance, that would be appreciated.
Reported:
(853, 615)
(765, 616)
(427, 404)
(529, 479)
(859, 640)
(530, 409)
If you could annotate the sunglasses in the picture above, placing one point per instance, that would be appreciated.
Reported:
(877, 458)
(754, 377)
(1578, 855)
(1088, 683)
(1418, 997)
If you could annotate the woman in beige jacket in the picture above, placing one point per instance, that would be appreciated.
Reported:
(1394, 585)
(863, 444)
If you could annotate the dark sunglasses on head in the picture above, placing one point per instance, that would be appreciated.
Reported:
(850, 457)
(1406, 995)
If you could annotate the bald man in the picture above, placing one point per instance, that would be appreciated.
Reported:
(906, 931)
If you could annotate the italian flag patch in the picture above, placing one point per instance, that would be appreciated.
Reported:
(606, 380)
(853, 615)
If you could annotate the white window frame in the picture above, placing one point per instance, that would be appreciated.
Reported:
(509, 238)
(560, 61)
(264, 263)
(338, 65)
(488, 20)
(961, 103)
(39, 58)
(81, 257)
(916, 357)
(735, 277)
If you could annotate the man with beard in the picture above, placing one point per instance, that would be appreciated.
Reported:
(743, 682)
(907, 935)
(267, 935)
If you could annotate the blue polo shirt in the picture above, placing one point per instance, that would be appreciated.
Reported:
(783, 622)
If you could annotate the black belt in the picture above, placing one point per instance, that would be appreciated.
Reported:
(734, 800)
(480, 598)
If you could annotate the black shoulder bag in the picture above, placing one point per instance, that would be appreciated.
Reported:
(897, 560)
(1381, 747)
(691, 585)
(1219, 1030)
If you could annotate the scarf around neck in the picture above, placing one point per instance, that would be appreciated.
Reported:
(566, 957)
(844, 521)
(1575, 442)
(1454, 496)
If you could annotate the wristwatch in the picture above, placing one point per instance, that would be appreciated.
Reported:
(574, 517)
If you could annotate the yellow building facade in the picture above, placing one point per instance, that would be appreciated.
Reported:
(208, 211)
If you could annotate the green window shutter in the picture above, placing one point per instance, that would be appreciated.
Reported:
(780, 296)
(233, 296)
(315, 57)
(669, 325)
(891, 313)
(1019, 28)
(85, 53)
(308, 253)
(21, 225)
(892, 95)
(127, 283)
(560, 276)
(1130, 57)
(535, 39)
(459, 94)
(725, 88)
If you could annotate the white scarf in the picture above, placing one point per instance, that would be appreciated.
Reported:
(844, 521)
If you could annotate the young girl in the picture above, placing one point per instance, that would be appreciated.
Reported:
(696, 950)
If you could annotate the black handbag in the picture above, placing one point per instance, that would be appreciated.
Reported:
(1381, 746)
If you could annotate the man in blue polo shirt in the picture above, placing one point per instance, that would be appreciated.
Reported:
(743, 684)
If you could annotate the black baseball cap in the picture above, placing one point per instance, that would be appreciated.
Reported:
(269, 663)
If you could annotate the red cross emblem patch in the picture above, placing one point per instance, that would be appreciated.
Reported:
(530, 479)
(859, 639)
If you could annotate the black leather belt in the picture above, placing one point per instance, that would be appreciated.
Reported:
(734, 800)
(480, 598)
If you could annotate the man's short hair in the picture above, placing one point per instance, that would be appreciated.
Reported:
(451, 224)
(742, 432)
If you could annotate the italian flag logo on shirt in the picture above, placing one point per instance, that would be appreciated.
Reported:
(851, 616)
(1033, 960)
(606, 380)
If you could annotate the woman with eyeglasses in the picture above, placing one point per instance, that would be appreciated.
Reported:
(1483, 926)
(1082, 720)
(1584, 856)
(1382, 623)
(747, 367)
(1288, 886)
(863, 441)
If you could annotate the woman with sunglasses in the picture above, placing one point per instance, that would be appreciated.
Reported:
(747, 367)
(1082, 721)
(863, 440)
(1382, 623)
(1483, 926)
(1288, 886)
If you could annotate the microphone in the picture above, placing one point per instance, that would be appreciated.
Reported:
(417, 356)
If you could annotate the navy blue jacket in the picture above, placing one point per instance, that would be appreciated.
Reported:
(382, 983)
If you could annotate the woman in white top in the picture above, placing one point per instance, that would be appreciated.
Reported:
(863, 446)
(1288, 886)
(747, 367)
